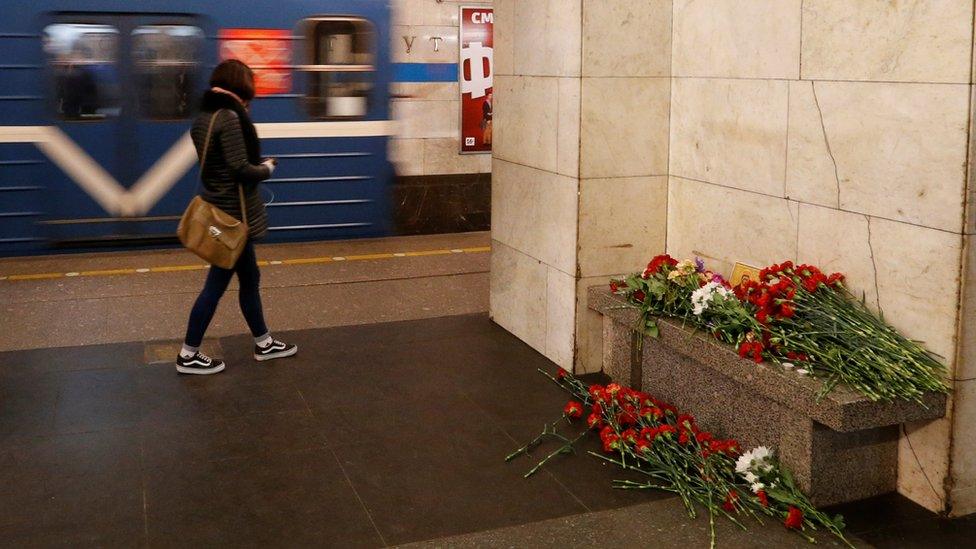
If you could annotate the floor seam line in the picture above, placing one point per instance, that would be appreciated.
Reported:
(516, 442)
(359, 498)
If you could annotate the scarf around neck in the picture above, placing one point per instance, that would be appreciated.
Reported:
(213, 101)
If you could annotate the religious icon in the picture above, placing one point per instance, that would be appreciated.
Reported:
(743, 273)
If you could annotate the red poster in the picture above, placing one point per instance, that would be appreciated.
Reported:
(476, 73)
(267, 51)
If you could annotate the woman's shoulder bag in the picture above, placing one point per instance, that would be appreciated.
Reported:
(209, 232)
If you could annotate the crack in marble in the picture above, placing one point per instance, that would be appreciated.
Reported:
(823, 128)
(874, 267)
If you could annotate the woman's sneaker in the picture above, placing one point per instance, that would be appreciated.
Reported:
(274, 349)
(199, 364)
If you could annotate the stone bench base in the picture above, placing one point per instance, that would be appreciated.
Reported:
(842, 448)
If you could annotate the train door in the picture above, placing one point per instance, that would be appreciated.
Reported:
(123, 88)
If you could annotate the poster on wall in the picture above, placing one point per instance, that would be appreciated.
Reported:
(267, 51)
(475, 75)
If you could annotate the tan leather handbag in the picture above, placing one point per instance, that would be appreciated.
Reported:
(214, 235)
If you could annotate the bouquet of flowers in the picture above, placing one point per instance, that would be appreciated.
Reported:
(652, 438)
(796, 316)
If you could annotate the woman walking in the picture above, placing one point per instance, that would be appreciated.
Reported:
(233, 158)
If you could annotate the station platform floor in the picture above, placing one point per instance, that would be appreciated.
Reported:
(389, 427)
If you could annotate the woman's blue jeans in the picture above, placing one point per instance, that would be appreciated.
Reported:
(249, 296)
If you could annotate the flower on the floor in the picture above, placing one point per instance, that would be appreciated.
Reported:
(573, 409)
(794, 518)
(643, 434)
(793, 314)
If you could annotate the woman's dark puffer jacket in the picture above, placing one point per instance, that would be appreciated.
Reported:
(233, 158)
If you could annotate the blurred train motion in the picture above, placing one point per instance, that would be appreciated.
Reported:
(96, 98)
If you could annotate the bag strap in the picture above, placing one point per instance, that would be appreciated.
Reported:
(203, 159)
(206, 143)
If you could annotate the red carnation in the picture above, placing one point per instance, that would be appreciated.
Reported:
(594, 420)
(560, 374)
(730, 500)
(642, 446)
(794, 518)
(639, 296)
(629, 435)
(786, 311)
(613, 286)
(655, 265)
(573, 410)
(651, 412)
(763, 499)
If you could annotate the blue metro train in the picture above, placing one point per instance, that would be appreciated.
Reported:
(96, 98)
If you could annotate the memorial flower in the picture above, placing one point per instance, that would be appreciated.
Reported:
(573, 409)
(701, 297)
(791, 314)
(673, 453)
(794, 518)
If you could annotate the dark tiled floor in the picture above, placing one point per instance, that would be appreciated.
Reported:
(373, 435)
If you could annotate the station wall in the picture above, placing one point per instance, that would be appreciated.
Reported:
(825, 131)
(439, 190)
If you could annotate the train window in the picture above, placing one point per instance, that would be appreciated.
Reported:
(166, 60)
(83, 59)
(341, 70)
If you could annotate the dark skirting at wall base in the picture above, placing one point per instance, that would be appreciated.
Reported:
(431, 204)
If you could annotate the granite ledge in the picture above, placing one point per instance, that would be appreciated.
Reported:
(842, 409)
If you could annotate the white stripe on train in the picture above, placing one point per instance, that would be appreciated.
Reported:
(165, 172)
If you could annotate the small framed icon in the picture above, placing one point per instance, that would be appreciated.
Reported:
(743, 273)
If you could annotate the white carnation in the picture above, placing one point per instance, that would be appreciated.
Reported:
(701, 297)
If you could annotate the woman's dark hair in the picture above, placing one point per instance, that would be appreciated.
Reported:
(234, 76)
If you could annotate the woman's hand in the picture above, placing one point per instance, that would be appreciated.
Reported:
(271, 163)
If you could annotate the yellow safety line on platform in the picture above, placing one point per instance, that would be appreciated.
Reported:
(263, 262)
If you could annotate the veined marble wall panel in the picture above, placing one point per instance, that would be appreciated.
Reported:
(923, 462)
(905, 41)
(622, 223)
(568, 106)
(730, 132)
(589, 327)
(547, 37)
(624, 127)
(518, 294)
(560, 318)
(426, 119)
(525, 122)
(535, 212)
(626, 38)
(724, 225)
(914, 285)
(896, 151)
(504, 37)
(441, 157)
(736, 38)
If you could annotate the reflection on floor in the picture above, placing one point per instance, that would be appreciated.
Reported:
(373, 435)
